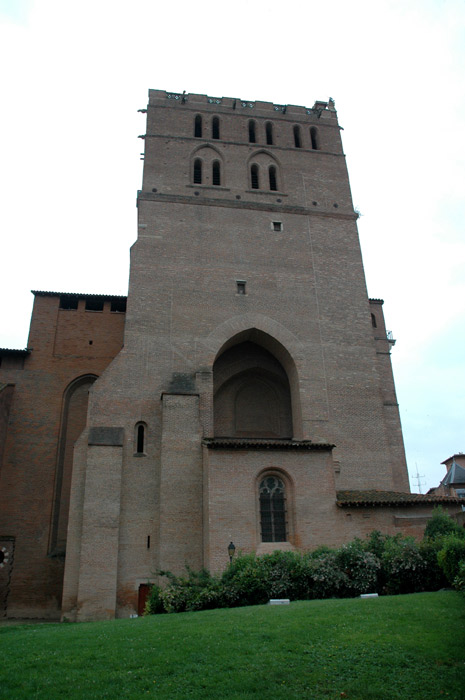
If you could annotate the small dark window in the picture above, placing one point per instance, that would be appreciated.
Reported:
(197, 171)
(314, 138)
(198, 126)
(252, 133)
(272, 175)
(140, 439)
(269, 133)
(297, 139)
(94, 304)
(272, 510)
(240, 287)
(277, 225)
(373, 321)
(216, 173)
(68, 302)
(215, 128)
(118, 306)
(254, 176)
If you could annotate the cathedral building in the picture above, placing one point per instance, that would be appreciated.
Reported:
(242, 392)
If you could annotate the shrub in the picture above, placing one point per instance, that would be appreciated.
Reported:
(459, 580)
(433, 575)
(327, 579)
(360, 567)
(442, 524)
(154, 604)
(450, 555)
(404, 567)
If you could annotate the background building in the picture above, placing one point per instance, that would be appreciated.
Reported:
(252, 397)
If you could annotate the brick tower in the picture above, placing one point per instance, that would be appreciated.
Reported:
(255, 379)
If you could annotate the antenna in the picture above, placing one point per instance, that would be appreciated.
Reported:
(418, 478)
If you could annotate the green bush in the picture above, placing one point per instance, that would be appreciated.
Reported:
(459, 580)
(442, 524)
(433, 575)
(450, 555)
(327, 579)
(154, 604)
(360, 566)
(404, 566)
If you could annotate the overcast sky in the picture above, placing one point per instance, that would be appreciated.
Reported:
(74, 75)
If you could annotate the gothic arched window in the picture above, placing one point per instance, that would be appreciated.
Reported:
(297, 138)
(272, 176)
(272, 509)
(269, 133)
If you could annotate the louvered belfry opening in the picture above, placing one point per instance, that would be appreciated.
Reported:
(197, 171)
(254, 177)
(216, 173)
(272, 176)
(272, 510)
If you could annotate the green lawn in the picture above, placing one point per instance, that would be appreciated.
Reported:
(409, 647)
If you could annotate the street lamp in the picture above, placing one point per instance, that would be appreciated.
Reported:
(231, 550)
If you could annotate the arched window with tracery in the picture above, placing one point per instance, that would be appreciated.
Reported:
(272, 494)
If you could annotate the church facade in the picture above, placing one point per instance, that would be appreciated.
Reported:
(242, 392)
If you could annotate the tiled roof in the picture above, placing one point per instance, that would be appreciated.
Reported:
(390, 498)
(376, 301)
(77, 294)
(12, 351)
(263, 444)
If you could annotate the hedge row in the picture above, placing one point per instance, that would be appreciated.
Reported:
(382, 564)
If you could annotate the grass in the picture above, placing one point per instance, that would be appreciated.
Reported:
(404, 647)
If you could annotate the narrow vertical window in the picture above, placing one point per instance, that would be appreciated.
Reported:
(197, 171)
(373, 321)
(297, 139)
(272, 510)
(252, 132)
(140, 439)
(314, 138)
(254, 176)
(216, 173)
(215, 128)
(272, 175)
(269, 133)
(198, 126)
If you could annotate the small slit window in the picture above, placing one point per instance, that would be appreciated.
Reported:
(269, 133)
(240, 287)
(272, 177)
(277, 225)
(215, 128)
(252, 132)
(140, 439)
(216, 173)
(197, 171)
(272, 510)
(314, 138)
(373, 321)
(254, 177)
(198, 126)
(297, 137)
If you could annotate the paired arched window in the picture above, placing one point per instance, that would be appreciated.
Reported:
(272, 178)
(252, 132)
(254, 181)
(216, 172)
(215, 128)
(197, 171)
(314, 138)
(297, 137)
(198, 126)
(272, 495)
(269, 133)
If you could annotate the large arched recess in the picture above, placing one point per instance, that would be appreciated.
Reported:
(73, 422)
(257, 362)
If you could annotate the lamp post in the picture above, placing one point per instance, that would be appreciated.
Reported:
(231, 550)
